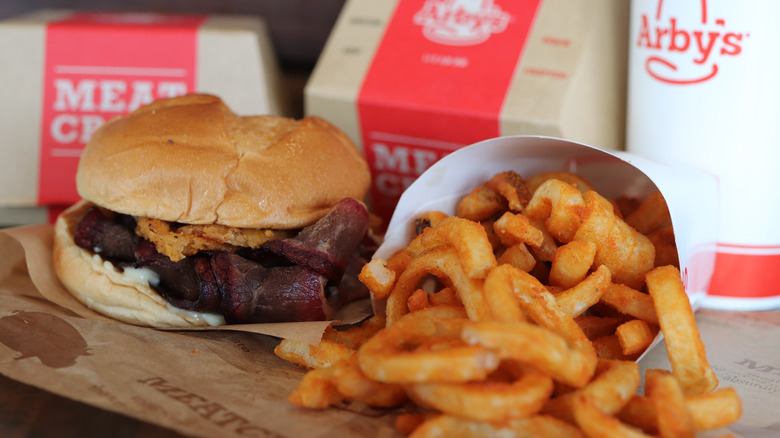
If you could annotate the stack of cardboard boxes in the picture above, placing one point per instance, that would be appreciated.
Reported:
(411, 81)
(408, 81)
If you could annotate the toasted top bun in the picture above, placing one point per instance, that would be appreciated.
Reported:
(190, 159)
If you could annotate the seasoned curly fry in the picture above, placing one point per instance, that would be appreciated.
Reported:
(482, 203)
(612, 387)
(517, 398)
(378, 278)
(442, 262)
(577, 299)
(664, 390)
(683, 344)
(597, 423)
(651, 214)
(628, 254)
(352, 383)
(428, 219)
(317, 390)
(390, 356)
(571, 263)
(325, 354)
(536, 303)
(418, 300)
(511, 186)
(533, 426)
(540, 347)
(355, 336)
(569, 178)
(513, 228)
(518, 256)
(560, 206)
(665, 247)
(467, 237)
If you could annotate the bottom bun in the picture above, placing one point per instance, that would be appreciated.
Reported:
(102, 287)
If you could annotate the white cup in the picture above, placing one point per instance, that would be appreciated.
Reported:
(704, 91)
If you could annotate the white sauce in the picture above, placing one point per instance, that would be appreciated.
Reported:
(211, 319)
(149, 278)
(142, 275)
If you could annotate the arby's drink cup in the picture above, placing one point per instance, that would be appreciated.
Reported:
(703, 92)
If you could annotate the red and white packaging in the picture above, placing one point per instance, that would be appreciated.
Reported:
(66, 73)
(411, 81)
(691, 195)
(703, 91)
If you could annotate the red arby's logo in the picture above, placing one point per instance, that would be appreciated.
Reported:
(686, 49)
(461, 22)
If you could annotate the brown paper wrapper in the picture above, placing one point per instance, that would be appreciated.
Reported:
(223, 381)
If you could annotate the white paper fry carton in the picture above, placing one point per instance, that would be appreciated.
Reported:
(692, 196)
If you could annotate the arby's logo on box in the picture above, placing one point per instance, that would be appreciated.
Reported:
(99, 66)
(461, 22)
(687, 49)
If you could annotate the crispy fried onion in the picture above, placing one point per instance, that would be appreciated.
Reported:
(186, 240)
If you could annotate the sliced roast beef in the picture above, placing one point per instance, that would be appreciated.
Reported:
(113, 238)
(254, 293)
(283, 280)
(325, 246)
(187, 284)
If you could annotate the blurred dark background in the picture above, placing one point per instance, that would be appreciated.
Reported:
(298, 28)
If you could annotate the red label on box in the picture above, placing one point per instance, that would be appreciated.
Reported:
(99, 66)
(746, 272)
(437, 82)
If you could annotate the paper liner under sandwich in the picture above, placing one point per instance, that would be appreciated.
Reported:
(691, 196)
(37, 243)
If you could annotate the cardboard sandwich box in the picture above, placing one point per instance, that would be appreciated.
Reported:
(65, 73)
(411, 81)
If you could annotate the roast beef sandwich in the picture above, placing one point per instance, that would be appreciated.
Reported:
(193, 215)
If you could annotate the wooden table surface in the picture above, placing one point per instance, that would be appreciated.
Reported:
(29, 412)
